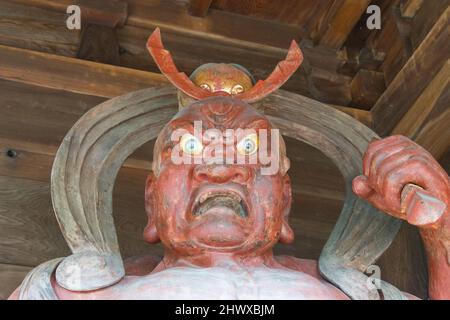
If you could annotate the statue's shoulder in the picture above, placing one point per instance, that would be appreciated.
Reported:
(37, 285)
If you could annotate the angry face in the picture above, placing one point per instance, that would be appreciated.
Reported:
(218, 199)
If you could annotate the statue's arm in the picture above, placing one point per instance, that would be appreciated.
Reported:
(405, 181)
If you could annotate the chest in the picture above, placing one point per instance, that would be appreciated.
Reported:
(223, 283)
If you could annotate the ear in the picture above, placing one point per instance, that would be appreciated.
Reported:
(287, 234)
(150, 231)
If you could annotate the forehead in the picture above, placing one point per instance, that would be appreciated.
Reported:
(220, 71)
(221, 113)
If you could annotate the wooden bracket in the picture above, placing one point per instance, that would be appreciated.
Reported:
(98, 38)
(111, 14)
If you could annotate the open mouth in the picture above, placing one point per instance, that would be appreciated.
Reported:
(222, 199)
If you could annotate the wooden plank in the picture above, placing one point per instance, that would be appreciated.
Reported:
(11, 277)
(435, 134)
(404, 265)
(33, 161)
(425, 18)
(329, 87)
(294, 12)
(104, 12)
(29, 231)
(36, 29)
(106, 81)
(394, 40)
(219, 25)
(189, 52)
(422, 66)
(73, 75)
(409, 8)
(47, 114)
(199, 8)
(99, 43)
(415, 118)
(340, 20)
(367, 87)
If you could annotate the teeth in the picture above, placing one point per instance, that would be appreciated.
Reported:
(208, 195)
(214, 198)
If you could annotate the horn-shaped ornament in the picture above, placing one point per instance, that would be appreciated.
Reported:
(282, 72)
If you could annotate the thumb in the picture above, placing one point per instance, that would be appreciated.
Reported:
(361, 187)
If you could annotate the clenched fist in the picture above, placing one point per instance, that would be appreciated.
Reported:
(404, 180)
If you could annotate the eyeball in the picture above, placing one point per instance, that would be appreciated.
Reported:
(205, 86)
(248, 145)
(190, 144)
(237, 89)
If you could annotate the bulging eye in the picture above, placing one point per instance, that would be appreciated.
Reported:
(190, 144)
(205, 86)
(237, 89)
(248, 145)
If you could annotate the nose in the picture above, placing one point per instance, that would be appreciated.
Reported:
(221, 173)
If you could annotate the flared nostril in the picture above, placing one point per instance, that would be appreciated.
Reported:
(221, 174)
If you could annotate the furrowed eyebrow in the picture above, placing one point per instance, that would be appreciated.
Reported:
(182, 124)
(255, 123)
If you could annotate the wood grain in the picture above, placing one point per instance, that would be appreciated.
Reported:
(340, 20)
(99, 43)
(199, 8)
(103, 12)
(228, 37)
(422, 66)
(409, 8)
(73, 75)
(404, 263)
(367, 87)
(11, 277)
(415, 118)
(36, 29)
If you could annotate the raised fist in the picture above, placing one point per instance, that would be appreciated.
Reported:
(404, 180)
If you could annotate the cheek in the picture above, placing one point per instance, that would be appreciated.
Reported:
(268, 195)
(172, 192)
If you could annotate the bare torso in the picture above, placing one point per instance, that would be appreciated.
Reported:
(297, 279)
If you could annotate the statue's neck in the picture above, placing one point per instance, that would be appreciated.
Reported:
(215, 259)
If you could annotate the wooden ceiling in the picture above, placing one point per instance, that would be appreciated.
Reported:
(395, 80)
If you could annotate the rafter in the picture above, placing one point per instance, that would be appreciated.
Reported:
(199, 8)
(414, 77)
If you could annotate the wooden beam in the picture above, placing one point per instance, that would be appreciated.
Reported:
(99, 22)
(367, 87)
(218, 25)
(73, 75)
(415, 117)
(414, 77)
(99, 43)
(188, 48)
(409, 8)
(109, 13)
(86, 77)
(340, 20)
(425, 18)
(199, 8)
(36, 29)
(435, 134)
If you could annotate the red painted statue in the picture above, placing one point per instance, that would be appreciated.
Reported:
(219, 219)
